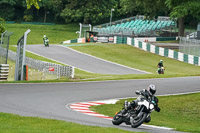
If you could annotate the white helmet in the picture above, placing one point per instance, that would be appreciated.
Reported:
(152, 89)
(44, 35)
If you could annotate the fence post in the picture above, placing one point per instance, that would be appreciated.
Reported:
(4, 70)
(72, 72)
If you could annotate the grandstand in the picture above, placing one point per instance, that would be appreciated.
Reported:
(136, 26)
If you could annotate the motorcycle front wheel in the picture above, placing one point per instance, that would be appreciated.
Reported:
(136, 123)
(117, 119)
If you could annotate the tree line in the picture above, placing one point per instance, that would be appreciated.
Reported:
(98, 11)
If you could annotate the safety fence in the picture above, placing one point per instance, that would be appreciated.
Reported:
(4, 45)
(144, 44)
(79, 40)
(44, 70)
(191, 59)
(34, 23)
(189, 46)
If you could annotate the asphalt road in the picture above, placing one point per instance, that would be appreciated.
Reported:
(50, 100)
(82, 61)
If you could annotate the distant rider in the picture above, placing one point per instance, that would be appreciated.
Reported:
(160, 65)
(46, 41)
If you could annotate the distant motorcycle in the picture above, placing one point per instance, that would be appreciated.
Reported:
(161, 70)
(135, 116)
(46, 41)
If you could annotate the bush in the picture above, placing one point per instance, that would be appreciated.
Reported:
(2, 28)
(28, 18)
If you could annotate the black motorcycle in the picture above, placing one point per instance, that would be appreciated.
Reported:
(138, 114)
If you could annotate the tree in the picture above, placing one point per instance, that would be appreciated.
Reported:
(150, 8)
(7, 10)
(89, 11)
(181, 9)
(32, 2)
(2, 28)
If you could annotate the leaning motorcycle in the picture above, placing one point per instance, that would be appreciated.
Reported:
(135, 116)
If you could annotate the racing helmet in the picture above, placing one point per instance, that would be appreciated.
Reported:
(152, 89)
(45, 36)
(161, 61)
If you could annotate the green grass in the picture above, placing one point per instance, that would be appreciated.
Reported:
(179, 112)
(139, 59)
(55, 33)
(10, 123)
(129, 56)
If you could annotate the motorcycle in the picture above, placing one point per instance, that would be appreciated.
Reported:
(135, 116)
(46, 42)
(161, 70)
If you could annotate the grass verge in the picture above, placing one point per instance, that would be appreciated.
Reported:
(139, 59)
(125, 55)
(179, 112)
(10, 123)
(55, 33)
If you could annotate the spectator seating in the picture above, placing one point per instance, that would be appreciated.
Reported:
(137, 27)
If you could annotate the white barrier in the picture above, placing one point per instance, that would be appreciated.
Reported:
(152, 50)
(129, 41)
(171, 53)
(136, 43)
(180, 56)
(190, 59)
(115, 39)
(161, 51)
(149, 39)
(144, 46)
(67, 42)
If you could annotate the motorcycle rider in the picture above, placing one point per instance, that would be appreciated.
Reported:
(46, 41)
(160, 64)
(148, 93)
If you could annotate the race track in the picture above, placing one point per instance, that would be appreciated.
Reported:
(48, 100)
(82, 61)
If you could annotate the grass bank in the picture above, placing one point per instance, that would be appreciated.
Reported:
(125, 55)
(10, 123)
(139, 59)
(179, 112)
(55, 33)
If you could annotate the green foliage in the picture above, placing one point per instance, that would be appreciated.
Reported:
(2, 27)
(28, 18)
(183, 8)
(32, 2)
(87, 11)
(7, 9)
(149, 8)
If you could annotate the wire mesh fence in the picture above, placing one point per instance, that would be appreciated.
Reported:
(189, 46)
(41, 70)
(4, 45)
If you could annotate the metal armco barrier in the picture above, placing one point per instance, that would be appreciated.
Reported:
(4, 70)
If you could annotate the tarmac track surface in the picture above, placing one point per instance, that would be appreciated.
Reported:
(82, 61)
(48, 100)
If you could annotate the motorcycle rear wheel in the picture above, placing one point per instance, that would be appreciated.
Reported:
(139, 121)
(117, 120)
